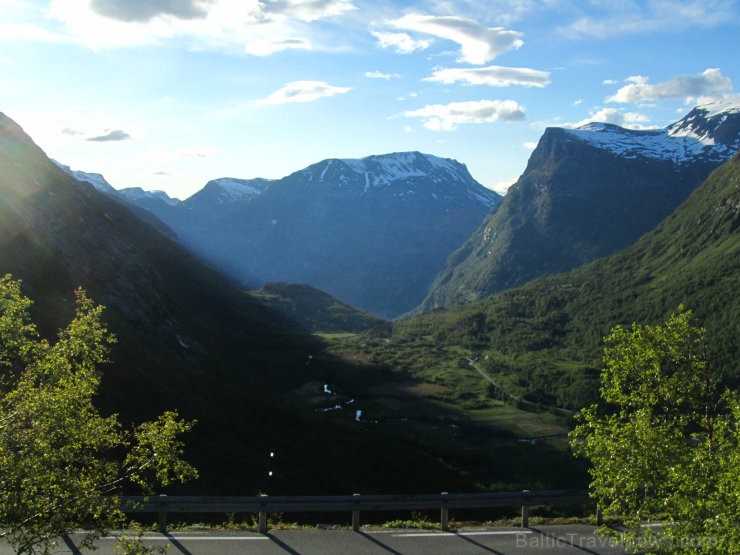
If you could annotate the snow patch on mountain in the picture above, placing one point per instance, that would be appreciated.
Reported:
(383, 170)
(702, 133)
(235, 189)
(720, 108)
(94, 179)
(388, 168)
(136, 194)
(485, 196)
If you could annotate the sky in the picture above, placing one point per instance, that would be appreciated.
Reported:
(169, 94)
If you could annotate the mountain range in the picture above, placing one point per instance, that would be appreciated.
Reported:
(372, 232)
(257, 383)
(411, 232)
(313, 310)
(543, 340)
(189, 340)
(587, 193)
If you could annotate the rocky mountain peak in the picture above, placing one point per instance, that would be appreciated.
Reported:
(587, 193)
(137, 195)
(401, 173)
(94, 179)
(227, 190)
(716, 124)
(710, 132)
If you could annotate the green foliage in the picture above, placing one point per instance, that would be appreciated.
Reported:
(314, 310)
(663, 443)
(133, 544)
(60, 463)
(418, 521)
(433, 397)
(188, 339)
(545, 337)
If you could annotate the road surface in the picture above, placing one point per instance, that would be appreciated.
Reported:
(551, 540)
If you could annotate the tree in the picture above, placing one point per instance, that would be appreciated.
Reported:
(664, 442)
(63, 464)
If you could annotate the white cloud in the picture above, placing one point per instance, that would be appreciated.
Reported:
(161, 154)
(494, 76)
(146, 10)
(478, 44)
(112, 135)
(19, 22)
(267, 45)
(198, 152)
(446, 117)
(302, 91)
(257, 27)
(710, 84)
(305, 10)
(83, 25)
(381, 75)
(402, 42)
(502, 187)
(410, 95)
(529, 145)
(630, 17)
(503, 12)
(610, 82)
(628, 120)
(637, 79)
(74, 126)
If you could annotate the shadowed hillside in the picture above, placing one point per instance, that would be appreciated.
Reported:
(188, 339)
(542, 341)
(587, 193)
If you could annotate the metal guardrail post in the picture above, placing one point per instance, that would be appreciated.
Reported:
(445, 513)
(262, 516)
(307, 504)
(356, 513)
(525, 509)
(162, 517)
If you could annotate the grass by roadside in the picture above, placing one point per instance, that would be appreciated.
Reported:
(417, 521)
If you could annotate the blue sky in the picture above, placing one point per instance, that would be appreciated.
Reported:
(168, 94)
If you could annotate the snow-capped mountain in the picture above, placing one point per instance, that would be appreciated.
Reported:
(138, 195)
(188, 340)
(587, 193)
(372, 232)
(710, 132)
(442, 177)
(400, 174)
(226, 190)
(94, 179)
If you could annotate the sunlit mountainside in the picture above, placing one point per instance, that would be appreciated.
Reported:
(587, 193)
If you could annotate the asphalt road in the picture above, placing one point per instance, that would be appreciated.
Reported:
(552, 540)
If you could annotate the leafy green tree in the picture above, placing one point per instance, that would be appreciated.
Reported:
(63, 464)
(664, 442)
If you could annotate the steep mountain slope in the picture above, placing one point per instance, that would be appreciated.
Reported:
(226, 190)
(544, 339)
(187, 339)
(94, 179)
(137, 195)
(314, 310)
(587, 193)
(371, 232)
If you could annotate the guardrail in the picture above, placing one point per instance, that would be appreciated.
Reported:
(262, 505)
